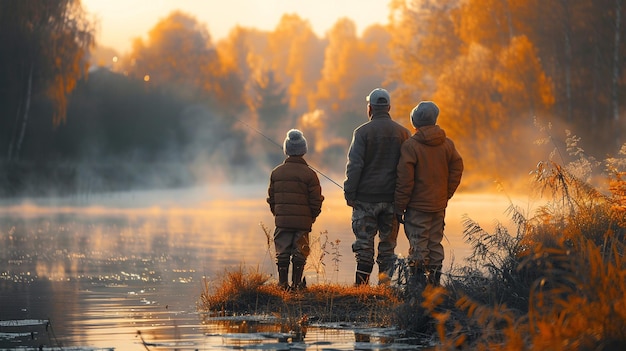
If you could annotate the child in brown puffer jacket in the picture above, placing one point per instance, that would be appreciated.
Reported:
(295, 199)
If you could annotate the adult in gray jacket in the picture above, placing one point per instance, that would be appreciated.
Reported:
(370, 184)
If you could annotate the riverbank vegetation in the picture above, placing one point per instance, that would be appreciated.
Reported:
(556, 281)
(251, 292)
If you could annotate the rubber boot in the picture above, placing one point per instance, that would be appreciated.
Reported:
(362, 276)
(434, 275)
(283, 277)
(416, 282)
(297, 282)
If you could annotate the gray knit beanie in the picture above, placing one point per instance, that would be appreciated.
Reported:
(424, 114)
(295, 143)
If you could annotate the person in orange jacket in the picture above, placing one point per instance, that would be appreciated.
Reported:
(429, 172)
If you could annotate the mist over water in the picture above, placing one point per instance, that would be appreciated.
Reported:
(103, 267)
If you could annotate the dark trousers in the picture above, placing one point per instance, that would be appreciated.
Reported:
(291, 245)
(425, 233)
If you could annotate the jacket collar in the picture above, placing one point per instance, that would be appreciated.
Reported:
(380, 114)
(295, 159)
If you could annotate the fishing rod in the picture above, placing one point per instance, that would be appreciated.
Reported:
(281, 147)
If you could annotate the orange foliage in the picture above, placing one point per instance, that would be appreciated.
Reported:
(423, 43)
(177, 52)
(521, 79)
(617, 186)
(351, 70)
(296, 56)
(69, 42)
(487, 22)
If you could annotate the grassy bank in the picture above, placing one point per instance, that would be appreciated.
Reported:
(556, 282)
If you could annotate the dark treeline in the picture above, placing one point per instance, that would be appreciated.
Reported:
(181, 109)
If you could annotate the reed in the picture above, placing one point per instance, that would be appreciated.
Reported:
(237, 290)
(315, 261)
(558, 283)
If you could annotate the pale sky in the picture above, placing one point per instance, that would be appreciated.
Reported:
(120, 21)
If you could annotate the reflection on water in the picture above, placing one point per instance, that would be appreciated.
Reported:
(125, 271)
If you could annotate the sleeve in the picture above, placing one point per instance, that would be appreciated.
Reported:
(406, 177)
(455, 170)
(354, 166)
(270, 194)
(315, 196)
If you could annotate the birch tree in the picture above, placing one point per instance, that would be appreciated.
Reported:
(45, 46)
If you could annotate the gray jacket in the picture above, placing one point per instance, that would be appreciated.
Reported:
(373, 158)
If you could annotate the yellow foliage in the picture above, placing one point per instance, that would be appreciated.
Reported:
(178, 53)
(295, 53)
(487, 22)
(617, 186)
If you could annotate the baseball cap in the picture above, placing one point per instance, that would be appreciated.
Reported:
(379, 96)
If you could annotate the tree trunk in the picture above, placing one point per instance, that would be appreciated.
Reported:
(596, 72)
(509, 19)
(568, 60)
(616, 61)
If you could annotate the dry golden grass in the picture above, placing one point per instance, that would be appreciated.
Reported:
(579, 304)
(238, 291)
(573, 251)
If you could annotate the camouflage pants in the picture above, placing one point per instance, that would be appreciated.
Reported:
(291, 245)
(368, 220)
(425, 232)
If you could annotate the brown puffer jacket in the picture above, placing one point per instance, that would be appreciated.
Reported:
(295, 195)
(429, 171)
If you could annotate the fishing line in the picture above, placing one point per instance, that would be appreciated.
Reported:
(281, 147)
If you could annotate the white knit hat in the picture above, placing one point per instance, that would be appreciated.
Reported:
(295, 143)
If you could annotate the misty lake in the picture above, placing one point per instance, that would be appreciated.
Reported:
(112, 271)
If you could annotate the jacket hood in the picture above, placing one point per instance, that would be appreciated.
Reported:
(430, 135)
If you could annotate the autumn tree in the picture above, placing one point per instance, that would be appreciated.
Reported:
(523, 86)
(470, 107)
(489, 99)
(352, 68)
(237, 49)
(424, 42)
(238, 55)
(271, 105)
(488, 22)
(177, 51)
(291, 51)
(295, 54)
(45, 46)
(580, 45)
(271, 108)
(179, 58)
(267, 110)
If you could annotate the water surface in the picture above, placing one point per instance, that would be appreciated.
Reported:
(125, 271)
